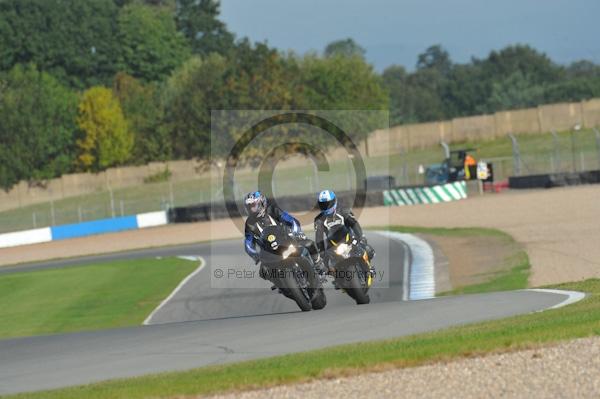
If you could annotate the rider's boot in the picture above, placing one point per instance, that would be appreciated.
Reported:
(264, 273)
(335, 285)
(370, 254)
(370, 250)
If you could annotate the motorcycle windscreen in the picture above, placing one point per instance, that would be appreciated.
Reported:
(339, 234)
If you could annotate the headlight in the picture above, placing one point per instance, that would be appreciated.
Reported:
(291, 249)
(343, 250)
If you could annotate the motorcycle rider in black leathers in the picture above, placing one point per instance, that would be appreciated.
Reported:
(261, 213)
(330, 217)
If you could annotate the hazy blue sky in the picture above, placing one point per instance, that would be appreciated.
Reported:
(395, 32)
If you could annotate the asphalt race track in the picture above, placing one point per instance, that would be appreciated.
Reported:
(203, 325)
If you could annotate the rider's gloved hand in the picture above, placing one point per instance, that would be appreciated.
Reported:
(363, 240)
(300, 235)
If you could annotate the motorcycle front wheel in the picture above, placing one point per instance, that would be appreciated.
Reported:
(319, 300)
(356, 288)
(296, 293)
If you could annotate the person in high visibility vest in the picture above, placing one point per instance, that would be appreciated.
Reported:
(470, 163)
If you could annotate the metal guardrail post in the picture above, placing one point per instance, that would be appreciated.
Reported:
(171, 195)
(597, 144)
(52, 213)
(573, 157)
(516, 155)
(446, 148)
(112, 203)
(556, 153)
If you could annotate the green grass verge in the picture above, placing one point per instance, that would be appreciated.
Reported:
(579, 320)
(106, 295)
(516, 268)
(454, 232)
(516, 277)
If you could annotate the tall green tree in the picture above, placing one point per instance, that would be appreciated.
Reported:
(344, 83)
(251, 77)
(466, 90)
(341, 82)
(37, 126)
(513, 77)
(515, 91)
(345, 48)
(151, 47)
(420, 96)
(190, 93)
(199, 21)
(76, 41)
(142, 109)
(429, 83)
(261, 78)
(406, 97)
(437, 58)
(583, 69)
(106, 139)
(394, 81)
(536, 65)
(576, 89)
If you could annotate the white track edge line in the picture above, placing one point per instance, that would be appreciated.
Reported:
(572, 296)
(176, 290)
(405, 272)
(421, 281)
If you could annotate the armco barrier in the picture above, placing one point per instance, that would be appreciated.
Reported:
(425, 195)
(94, 227)
(204, 212)
(301, 203)
(25, 237)
(48, 234)
(554, 180)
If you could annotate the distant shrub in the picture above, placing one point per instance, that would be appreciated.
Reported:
(159, 177)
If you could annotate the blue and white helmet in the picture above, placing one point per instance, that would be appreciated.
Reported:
(255, 203)
(327, 202)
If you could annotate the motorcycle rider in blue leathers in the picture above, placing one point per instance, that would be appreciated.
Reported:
(330, 216)
(260, 214)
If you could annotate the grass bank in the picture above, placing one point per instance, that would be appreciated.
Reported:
(454, 232)
(515, 268)
(532, 330)
(92, 297)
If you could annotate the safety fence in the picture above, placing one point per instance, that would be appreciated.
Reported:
(554, 180)
(388, 142)
(212, 211)
(297, 203)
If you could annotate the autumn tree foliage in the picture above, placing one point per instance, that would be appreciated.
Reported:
(106, 139)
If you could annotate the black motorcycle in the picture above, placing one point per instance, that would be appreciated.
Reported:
(350, 262)
(290, 268)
